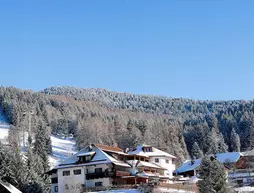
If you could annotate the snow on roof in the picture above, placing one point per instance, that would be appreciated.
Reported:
(99, 157)
(83, 164)
(148, 164)
(229, 157)
(85, 153)
(188, 166)
(115, 161)
(248, 153)
(9, 187)
(145, 174)
(155, 152)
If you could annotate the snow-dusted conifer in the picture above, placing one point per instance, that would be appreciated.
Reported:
(234, 141)
(196, 152)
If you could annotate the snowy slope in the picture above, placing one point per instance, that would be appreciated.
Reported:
(4, 127)
(62, 149)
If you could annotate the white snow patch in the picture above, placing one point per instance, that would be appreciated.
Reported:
(62, 149)
(245, 189)
(4, 133)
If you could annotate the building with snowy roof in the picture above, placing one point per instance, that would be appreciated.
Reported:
(191, 167)
(101, 165)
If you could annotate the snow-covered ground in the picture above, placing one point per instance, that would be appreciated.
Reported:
(245, 189)
(158, 190)
(62, 149)
(4, 127)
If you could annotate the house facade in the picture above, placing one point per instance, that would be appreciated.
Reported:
(99, 165)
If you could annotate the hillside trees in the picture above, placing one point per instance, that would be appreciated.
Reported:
(101, 116)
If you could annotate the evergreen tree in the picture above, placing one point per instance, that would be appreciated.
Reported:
(222, 146)
(215, 143)
(213, 177)
(40, 154)
(196, 152)
(234, 141)
(41, 145)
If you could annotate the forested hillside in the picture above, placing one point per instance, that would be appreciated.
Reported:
(101, 116)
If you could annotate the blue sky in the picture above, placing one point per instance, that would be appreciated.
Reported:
(199, 49)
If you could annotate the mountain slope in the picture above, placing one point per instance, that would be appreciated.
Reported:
(101, 116)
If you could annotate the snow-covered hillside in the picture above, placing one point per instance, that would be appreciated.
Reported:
(61, 148)
(4, 127)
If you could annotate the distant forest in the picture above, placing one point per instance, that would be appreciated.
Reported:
(185, 128)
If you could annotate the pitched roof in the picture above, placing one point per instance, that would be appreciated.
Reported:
(228, 157)
(108, 148)
(100, 157)
(153, 153)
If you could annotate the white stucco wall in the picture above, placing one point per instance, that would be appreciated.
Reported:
(105, 182)
(91, 169)
(162, 162)
(73, 182)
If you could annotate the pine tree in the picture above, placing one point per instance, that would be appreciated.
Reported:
(196, 152)
(40, 153)
(222, 146)
(215, 143)
(213, 177)
(234, 141)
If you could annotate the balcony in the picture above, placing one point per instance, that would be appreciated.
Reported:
(106, 174)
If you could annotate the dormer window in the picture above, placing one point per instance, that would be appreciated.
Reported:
(85, 157)
(157, 160)
(147, 149)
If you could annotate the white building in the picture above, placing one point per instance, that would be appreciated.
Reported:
(100, 165)
(158, 158)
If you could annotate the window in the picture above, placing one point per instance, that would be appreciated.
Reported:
(98, 170)
(156, 160)
(66, 173)
(54, 180)
(98, 183)
(56, 188)
(77, 172)
(167, 162)
(87, 158)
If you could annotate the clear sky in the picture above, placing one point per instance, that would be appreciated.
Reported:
(199, 49)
